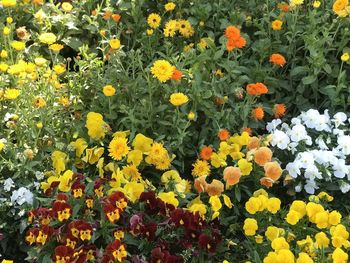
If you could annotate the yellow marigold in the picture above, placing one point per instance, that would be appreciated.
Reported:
(277, 24)
(8, 3)
(185, 28)
(118, 148)
(108, 90)
(162, 70)
(200, 168)
(95, 125)
(39, 102)
(56, 47)
(18, 45)
(170, 28)
(47, 38)
(178, 99)
(114, 43)
(153, 20)
(345, 57)
(67, 7)
(170, 6)
(11, 94)
(340, 5)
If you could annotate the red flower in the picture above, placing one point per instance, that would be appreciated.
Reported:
(149, 231)
(62, 211)
(63, 254)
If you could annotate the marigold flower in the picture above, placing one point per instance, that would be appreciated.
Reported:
(279, 110)
(277, 24)
(118, 148)
(278, 59)
(178, 99)
(153, 20)
(232, 32)
(206, 153)
(47, 38)
(258, 113)
(284, 7)
(162, 70)
(177, 75)
(345, 57)
(114, 43)
(108, 90)
(200, 168)
(223, 134)
(116, 17)
(170, 6)
(257, 89)
(170, 28)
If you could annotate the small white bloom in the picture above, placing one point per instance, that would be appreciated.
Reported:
(39, 175)
(272, 126)
(306, 159)
(339, 119)
(344, 187)
(280, 139)
(340, 169)
(321, 143)
(8, 184)
(293, 169)
(310, 187)
(297, 133)
(311, 172)
(344, 144)
(21, 196)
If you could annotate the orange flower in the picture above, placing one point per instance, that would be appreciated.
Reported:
(258, 113)
(262, 156)
(278, 59)
(200, 184)
(232, 175)
(266, 181)
(235, 43)
(177, 75)
(223, 134)
(206, 153)
(279, 110)
(241, 42)
(248, 130)
(116, 17)
(284, 7)
(94, 12)
(253, 143)
(257, 89)
(232, 32)
(107, 15)
(273, 170)
(215, 188)
(230, 45)
(38, 2)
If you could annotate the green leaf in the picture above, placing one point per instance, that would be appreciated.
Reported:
(309, 80)
(298, 70)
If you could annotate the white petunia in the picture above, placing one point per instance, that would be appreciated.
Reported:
(306, 159)
(311, 172)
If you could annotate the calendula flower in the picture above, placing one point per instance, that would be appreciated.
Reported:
(67, 7)
(345, 57)
(316, 4)
(108, 90)
(8, 3)
(162, 70)
(191, 116)
(118, 148)
(18, 45)
(170, 28)
(279, 110)
(47, 38)
(56, 47)
(178, 99)
(11, 94)
(277, 25)
(296, 2)
(200, 168)
(278, 59)
(258, 113)
(153, 20)
(170, 6)
(114, 43)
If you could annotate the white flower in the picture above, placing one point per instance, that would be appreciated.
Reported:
(21, 196)
(310, 187)
(298, 188)
(306, 159)
(339, 119)
(298, 133)
(296, 121)
(8, 184)
(344, 144)
(39, 175)
(338, 132)
(280, 139)
(271, 126)
(321, 144)
(293, 169)
(344, 187)
(340, 169)
(311, 172)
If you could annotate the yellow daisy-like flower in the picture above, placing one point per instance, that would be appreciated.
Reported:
(8, 3)
(56, 47)
(178, 99)
(169, 6)
(67, 7)
(201, 168)
(185, 28)
(12, 94)
(153, 20)
(114, 43)
(39, 102)
(162, 70)
(118, 148)
(170, 28)
(108, 90)
(47, 38)
(18, 45)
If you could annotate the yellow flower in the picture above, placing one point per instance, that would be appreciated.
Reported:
(39, 125)
(47, 38)
(95, 125)
(79, 145)
(56, 47)
(93, 155)
(142, 143)
(9, 20)
(170, 6)
(304, 258)
(339, 256)
(114, 43)
(272, 232)
(296, 2)
(11, 94)
(322, 240)
(185, 28)
(170, 28)
(191, 116)
(339, 7)
(59, 160)
(133, 190)
(18, 45)
(39, 102)
(3, 67)
(59, 69)
(345, 57)
(170, 176)
(215, 203)
(300, 207)
(118, 148)
(227, 201)
(3, 54)
(259, 239)
(253, 205)
(8, 3)
(149, 31)
(316, 4)
(153, 20)
(334, 218)
(135, 157)
(277, 24)
(250, 226)
(245, 166)
(66, 181)
(200, 168)
(169, 198)
(108, 90)
(6, 31)
(178, 99)
(279, 243)
(40, 61)
(273, 205)
(67, 7)
(6, 261)
(162, 70)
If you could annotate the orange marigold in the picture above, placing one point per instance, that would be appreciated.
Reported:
(279, 110)
(258, 113)
(223, 134)
(278, 59)
(177, 75)
(257, 89)
(206, 153)
(107, 15)
(116, 17)
(284, 7)
(232, 32)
